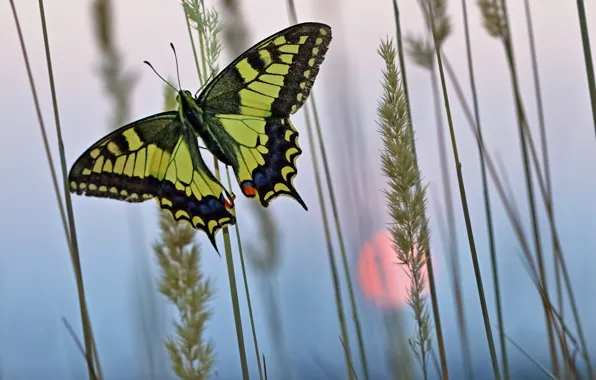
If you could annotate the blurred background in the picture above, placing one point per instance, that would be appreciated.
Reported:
(98, 49)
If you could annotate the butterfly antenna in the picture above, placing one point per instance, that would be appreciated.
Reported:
(156, 73)
(176, 58)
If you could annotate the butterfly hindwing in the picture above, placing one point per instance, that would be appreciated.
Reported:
(253, 98)
(265, 155)
(155, 157)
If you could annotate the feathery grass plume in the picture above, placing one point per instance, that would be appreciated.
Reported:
(208, 25)
(184, 284)
(429, 264)
(492, 18)
(441, 19)
(406, 200)
(422, 51)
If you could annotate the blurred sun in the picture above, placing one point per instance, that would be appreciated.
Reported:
(382, 279)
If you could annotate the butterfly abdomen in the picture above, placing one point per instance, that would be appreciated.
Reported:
(194, 114)
(212, 145)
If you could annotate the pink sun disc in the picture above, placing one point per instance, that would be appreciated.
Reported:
(382, 279)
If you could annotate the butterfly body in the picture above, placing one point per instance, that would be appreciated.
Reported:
(242, 116)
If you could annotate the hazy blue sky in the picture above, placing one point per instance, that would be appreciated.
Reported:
(36, 282)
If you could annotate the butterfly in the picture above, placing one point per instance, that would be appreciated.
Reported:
(242, 116)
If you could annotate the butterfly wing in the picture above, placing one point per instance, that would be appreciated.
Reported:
(155, 157)
(247, 108)
(264, 155)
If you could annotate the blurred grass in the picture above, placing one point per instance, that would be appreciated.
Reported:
(485, 193)
(438, 31)
(564, 339)
(119, 84)
(587, 50)
(93, 367)
(326, 228)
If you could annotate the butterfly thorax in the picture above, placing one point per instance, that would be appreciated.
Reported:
(194, 113)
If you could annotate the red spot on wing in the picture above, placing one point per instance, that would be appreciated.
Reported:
(249, 190)
(228, 200)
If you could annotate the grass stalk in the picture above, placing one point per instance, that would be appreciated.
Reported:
(486, 194)
(202, 44)
(512, 213)
(524, 133)
(583, 24)
(464, 202)
(538, 95)
(195, 11)
(342, 248)
(544, 146)
(44, 134)
(451, 233)
(338, 228)
(429, 264)
(244, 277)
(341, 314)
(511, 210)
(423, 55)
(330, 250)
(194, 49)
(235, 303)
(474, 123)
(71, 234)
(534, 361)
(235, 36)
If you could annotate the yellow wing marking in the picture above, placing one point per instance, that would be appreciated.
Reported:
(247, 72)
(265, 57)
(278, 68)
(133, 139)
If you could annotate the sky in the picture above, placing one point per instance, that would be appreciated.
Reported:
(37, 287)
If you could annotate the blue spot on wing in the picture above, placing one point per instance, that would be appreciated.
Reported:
(210, 206)
(261, 179)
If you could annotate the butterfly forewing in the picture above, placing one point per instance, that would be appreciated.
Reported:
(156, 157)
(252, 100)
